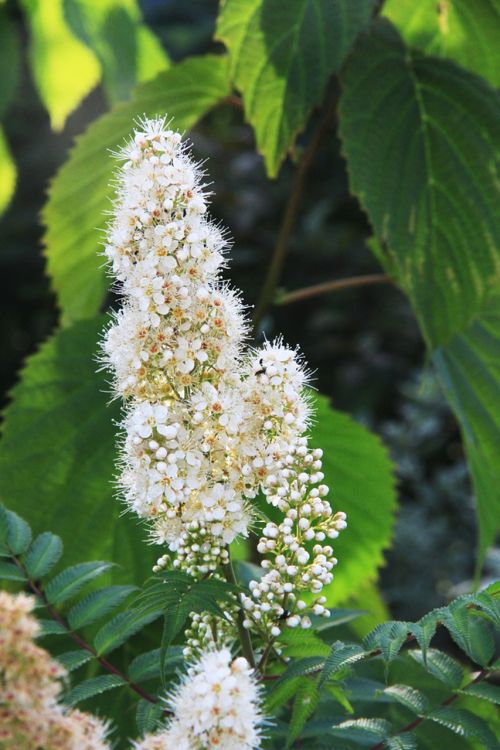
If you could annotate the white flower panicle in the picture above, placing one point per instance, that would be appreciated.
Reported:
(208, 426)
(216, 706)
(31, 716)
(174, 347)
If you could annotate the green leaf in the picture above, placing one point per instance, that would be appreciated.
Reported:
(10, 50)
(178, 595)
(61, 402)
(148, 715)
(281, 62)
(441, 665)
(305, 704)
(72, 660)
(297, 643)
(147, 666)
(425, 628)
(122, 627)
(10, 572)
(469, 370)
(126, 48)
(51, 627)
(97, 604)
(342, 655)
(80, 194)
(465, 724)
(421, 139)
(70, 581)
(339, 616)
(368, 497)
(471, 634)
(8, 170)
(281, 693)
(406, 741)
(18, 534)
(362, 731)
(484, 690)
(300, 668)
(455, 29)
(411, 698)
(43, 555)
(389, 638)
(90, 688)
(489, 606)
(341, 695)
(64, 70)
(4, 531)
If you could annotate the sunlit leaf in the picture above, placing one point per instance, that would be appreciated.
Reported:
(64, 70)
(422, 141)
(127, 49)
(80, 193)
(368, 496)
(8, 172)
(457, 29)
(59, 424)
(281, 61)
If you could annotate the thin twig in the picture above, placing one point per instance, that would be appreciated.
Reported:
(81, 643)
(290, 215)
(332, 286)
(246, 642)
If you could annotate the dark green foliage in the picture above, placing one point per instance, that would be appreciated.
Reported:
(147, 666)
(147, 716)
(97, 604)
(176, 595)
(414, 180)
(418, 120)
(72, 660)
(89, 688)
(341, 656)
(317, 677)
(43, 555)
(122, 627)
(69, 487)
(69, 582)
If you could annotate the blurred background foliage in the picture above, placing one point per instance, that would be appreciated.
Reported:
(65, 62)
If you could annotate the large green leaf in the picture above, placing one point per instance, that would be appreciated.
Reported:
(9, 58)
(8, 170)
(64, 70)
(127, 49)
(421, 138)
(281, 59)
(469, 369)
(458, 29)
(360, 475)
(81, 191)
(57, 456)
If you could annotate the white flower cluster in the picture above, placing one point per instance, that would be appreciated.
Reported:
(208, 426)
(32, 715)
(174, 349)
(216, 706)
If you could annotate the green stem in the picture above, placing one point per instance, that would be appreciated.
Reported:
(246, 643)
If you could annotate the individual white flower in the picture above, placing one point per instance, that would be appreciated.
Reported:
(216, 707)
